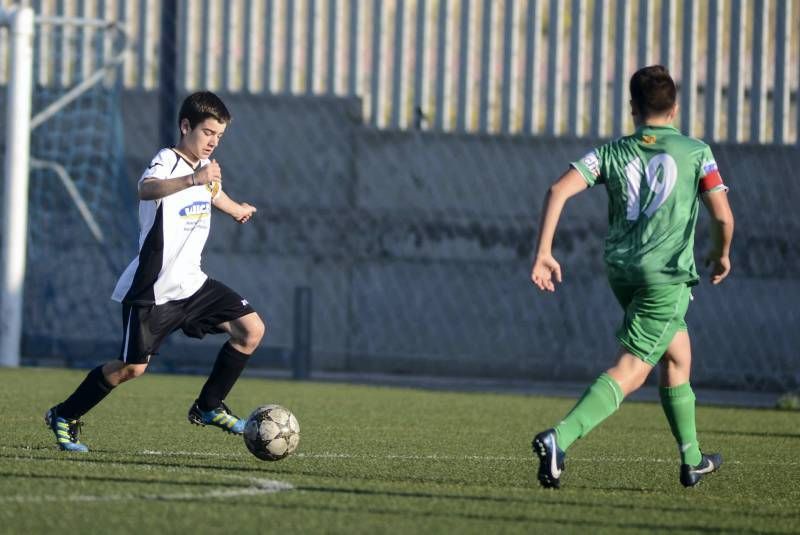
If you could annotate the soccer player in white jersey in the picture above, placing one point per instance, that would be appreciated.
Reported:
(164, 288)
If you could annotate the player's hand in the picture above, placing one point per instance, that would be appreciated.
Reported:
(244, 213)
(211, 172)
(545, 269)
(720, 267)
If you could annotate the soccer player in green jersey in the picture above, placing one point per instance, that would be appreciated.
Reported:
(654, 179)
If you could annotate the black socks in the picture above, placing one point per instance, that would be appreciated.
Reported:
(88, 394)
(227, 369)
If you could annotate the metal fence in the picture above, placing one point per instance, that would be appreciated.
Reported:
(553, 67)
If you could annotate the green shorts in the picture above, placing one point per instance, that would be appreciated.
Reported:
(653, 314)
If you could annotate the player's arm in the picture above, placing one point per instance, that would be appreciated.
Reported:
(716, 202)
(545, 267)
(152, 188)
(241, 212)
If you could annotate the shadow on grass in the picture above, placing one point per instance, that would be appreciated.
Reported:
(114, 479)
(538, 521)
(760, 434)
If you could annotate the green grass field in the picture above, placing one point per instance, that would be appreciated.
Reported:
(379, 460)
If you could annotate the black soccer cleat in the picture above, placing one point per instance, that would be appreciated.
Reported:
(551, 459)
(691, 475)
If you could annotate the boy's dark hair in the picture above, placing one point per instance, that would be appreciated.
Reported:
(652, 90)
(202, 105)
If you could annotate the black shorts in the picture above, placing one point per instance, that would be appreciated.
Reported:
(145, 327)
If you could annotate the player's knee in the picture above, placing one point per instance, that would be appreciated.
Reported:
(131, 371)
(250, 337)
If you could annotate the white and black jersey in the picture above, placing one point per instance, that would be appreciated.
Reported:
(172, 233)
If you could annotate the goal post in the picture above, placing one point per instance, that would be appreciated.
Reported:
(20, 23)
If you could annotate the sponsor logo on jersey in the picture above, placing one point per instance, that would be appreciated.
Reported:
(591, 161)
(647, 139)
(196, 210)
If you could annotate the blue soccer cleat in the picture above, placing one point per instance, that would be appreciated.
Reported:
(66, 431)
(551, 459)
(221, 417)
(691, 475)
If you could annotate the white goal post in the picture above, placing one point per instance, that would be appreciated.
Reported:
(19, 21)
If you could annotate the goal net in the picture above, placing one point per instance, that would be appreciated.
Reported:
(78, 214)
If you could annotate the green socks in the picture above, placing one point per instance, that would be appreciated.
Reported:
(678, 404)
(599, 402)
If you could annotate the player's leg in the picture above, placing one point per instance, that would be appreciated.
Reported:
(245, 336)
(599, 401)
(678, 402)
(137, 344)
(652, 315)
(218, 309)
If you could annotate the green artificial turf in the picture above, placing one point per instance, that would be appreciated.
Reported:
(379, 460)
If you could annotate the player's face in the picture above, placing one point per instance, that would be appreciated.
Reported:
(203, 138)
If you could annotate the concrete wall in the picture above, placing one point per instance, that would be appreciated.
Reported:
(418, 247)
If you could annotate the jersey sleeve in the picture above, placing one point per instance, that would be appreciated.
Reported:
(589, 167)
(161, 166)
(709, 178)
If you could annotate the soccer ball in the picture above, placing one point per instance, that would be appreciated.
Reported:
(271, 433)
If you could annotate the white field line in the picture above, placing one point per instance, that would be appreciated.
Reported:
(449, 458)
(254, 487)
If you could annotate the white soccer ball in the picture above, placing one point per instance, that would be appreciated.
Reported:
(271, 433)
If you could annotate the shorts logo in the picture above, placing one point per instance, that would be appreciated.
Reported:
(244, 302)
(196, 210)
(591, 161)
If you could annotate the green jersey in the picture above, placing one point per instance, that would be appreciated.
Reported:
(653, 179)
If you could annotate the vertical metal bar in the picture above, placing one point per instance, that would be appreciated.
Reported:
(84, 57)
(441, 61)
(301, 351)
(689, 67)
(600, 53)
(39, 46)
(645, 37)
(353, 50)
(507, 90)
(269, 49)
(184, 57)
(577, 54)
(758, 98)
(713, 68)
(397, 65)
(226, 59)
(311, 40)
(377, 53)
(486, 73)
(59, 48)
(167, 72)
(621, 74)
(554, 70)
(530, 109)
(668, 25)
(247, 50)
(333, 41)
(142, 45)
(463, 67)
(420, 66)
(205, 45)
(736, 82)
(783, 41)
(288, 75)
